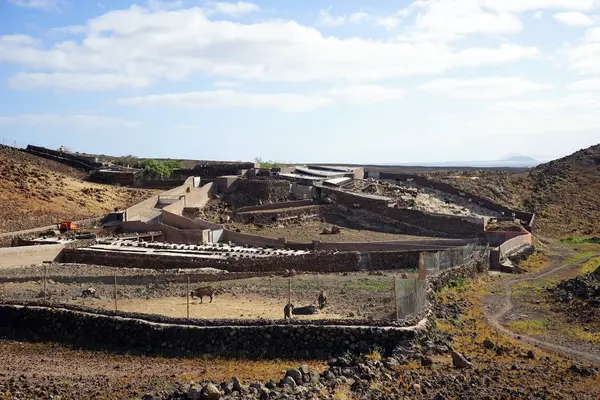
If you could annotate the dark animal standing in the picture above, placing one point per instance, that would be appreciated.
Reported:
(287, 311)
(322, 299)
(204, 291)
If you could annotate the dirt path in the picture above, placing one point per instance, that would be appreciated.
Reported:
(504, 305)
(44, 228)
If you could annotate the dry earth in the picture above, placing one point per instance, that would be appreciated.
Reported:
(37, 192)
(563, 193)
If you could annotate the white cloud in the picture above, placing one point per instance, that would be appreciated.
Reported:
(520, 6)
(286, 102)
(76, 82)
(45, 5)
(176, 45)
(573, 19)
(232, 9)
(587, 85)
(584, 57)
(483, 88)
(357, 18)
(537, 15)
(446, 20)
(90, 121)
(567, 114)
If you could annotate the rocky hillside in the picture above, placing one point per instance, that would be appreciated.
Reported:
(564, 193)
(582, 291)
(36, 192)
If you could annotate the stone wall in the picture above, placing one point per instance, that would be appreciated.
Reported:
(466, 271)
(447, 188)
(271, 190)
(274, 217)
(257, 338)
(446, 225)
(402, 220)
(275, 339)
(387, 260)
(314, 262)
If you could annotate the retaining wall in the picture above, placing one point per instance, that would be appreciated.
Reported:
(410, 221)
(274, 217)
(447, 188)
(447, 225)
(514, 243)
(275, 206)
(314, 262)
(27, 255)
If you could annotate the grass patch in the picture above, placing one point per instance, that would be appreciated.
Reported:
(455, 283)
(370, 285)
(581, 240)
(376, 353)
(577, 332)
(534, 326)
(590, 266)
(537, 262)
(343, 393)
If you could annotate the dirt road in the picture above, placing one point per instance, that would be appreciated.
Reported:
(496, 307)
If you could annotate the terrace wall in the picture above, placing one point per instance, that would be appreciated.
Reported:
(447, 188)
(275, 206)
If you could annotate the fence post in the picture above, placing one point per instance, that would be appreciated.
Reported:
(45, 278)
(290, 290)
(396, 296)
(116, 305)
(187, 291)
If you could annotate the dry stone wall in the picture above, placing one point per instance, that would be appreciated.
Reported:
(257, 338)
(273, 217)
(314, 262)
(388, 260)
(264, 341)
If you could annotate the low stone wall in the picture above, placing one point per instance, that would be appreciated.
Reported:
(264, 341)
(470, 270)
(314, 262)
(388, 260)
(258, 338)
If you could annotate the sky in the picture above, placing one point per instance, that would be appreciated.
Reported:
(302, 81)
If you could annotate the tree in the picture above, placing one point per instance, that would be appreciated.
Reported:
(157, 169)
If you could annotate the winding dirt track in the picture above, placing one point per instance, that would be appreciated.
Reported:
(506, 305)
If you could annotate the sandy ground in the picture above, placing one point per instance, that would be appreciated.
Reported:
(223, 306)
(350, 295)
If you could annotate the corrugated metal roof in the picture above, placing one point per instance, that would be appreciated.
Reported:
(302, 176)
(325, 174)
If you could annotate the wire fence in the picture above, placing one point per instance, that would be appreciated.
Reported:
(211, 294)
(435, 262)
